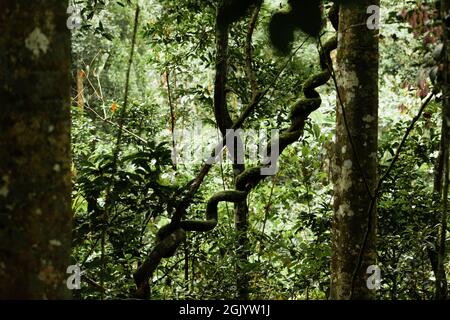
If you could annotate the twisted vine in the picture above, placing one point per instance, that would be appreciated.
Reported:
(172, 235)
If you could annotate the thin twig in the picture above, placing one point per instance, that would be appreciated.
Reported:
(268, 205)
(378, 190)
(172, 117)
(249, 49)
(116, 125)
(116, 152)
(405, 137)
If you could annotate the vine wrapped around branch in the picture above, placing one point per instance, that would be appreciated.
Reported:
(173, 234)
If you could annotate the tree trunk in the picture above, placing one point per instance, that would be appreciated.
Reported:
(442, 174)
(242, 250)
(355, 170)
(225, 122)
(35, 179)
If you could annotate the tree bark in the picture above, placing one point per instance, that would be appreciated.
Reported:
(225, 122)
(355, 168)
(35, 178)
(442, 175)
(242, 250)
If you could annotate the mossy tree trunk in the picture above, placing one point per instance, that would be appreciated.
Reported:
(35, 179)
(355, 168)
(442, 169)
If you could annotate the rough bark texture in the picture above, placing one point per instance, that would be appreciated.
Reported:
(442, 174)
(35, 180)
(357, 77)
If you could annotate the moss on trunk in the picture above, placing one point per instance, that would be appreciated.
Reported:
(357, 77)
(35, 179)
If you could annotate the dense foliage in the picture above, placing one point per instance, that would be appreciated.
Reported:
(171, 89)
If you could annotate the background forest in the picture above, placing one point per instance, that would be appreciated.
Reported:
(171, 88)
(146, 77)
